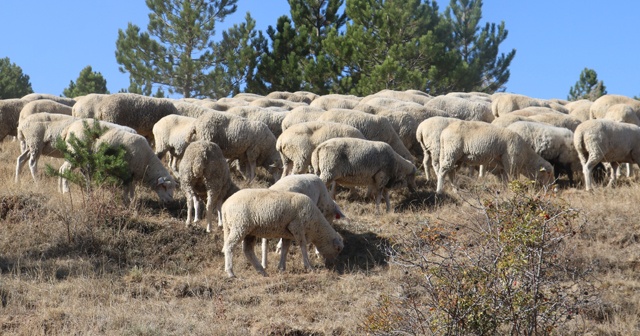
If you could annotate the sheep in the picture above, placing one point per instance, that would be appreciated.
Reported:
(312, 186)
(250, 142)
(332, 101)
(353, 162)
(270, 102)
(535, 110)
(297, 142)
(428, 136)
(479, 143)
(170, 136)
(554, 144)
(43, 105)
(461, 108)
(133, 110)
(413, 96)
(579, 109)
(263, 213)
(504, 103)
(273, 119)
(143, 163)
(373, 127)
(190, 109)
(481, 96)
(225, 104)
(292, 96)
(248, 97)
(601, 105)
(622, 113)
(9, 116)
(301, 114)
(85, 106)
(603, 140)
(204, 170)
(38, 96)
(508, 119)
(557, 119)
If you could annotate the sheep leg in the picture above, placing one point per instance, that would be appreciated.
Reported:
(425, 164)
(22, 159)
(190, 200)
(63, 184)
(264, 252)
(209, 210)
(385, 193)
(230, 241)
(296, 229)
(613, 172)
(286, 243)
(587, 168)
(248, 245)
(33, 164)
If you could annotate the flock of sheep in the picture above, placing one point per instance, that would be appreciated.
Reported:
(309, 144)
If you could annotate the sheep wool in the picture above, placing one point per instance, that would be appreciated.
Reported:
(171, 136)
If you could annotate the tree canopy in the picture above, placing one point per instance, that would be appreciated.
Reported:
(13, 83)
(88, 81)
(587, 87)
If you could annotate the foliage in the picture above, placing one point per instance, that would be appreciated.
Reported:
(587, 87)
(90, 164)
(88, 81)
(13, 83)
(512, 276)
(178, 51)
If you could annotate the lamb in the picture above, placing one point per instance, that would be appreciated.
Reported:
(250, 142)
(43, 105)
(133, 110)
(602, 140)
(601, 105)
(204, 171)
(312, 186)
(554, 144)
(353, 162)
(144, 165)
(297, 142)
(503, 103)
(479, 143)
(428, 136)
(9, 116)
(332, 101)
(170, 135)
(373, 127)
(272, 118)
(461, 108)
(300, 115)
(38, 96)
(263, 213)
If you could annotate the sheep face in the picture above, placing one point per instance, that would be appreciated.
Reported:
(165, 188)
(330, 251)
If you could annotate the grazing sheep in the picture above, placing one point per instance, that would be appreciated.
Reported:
(504, 103)
(248, 97)
(601, 105)
(129, 109)
(272, 118)
(405, 125)
(250, 142)
(9, 116)
(412, 96)
(38, 96)
(312, 186)
(225, 104)
(462, 108)
(297, 142)
(373, 127)
(43, 105)
(333, 101)
(622, 113)
(579, 109)
(358, 162)
(143, 163)
(297, 97)
(508, 119)
(85, 106)
(557, 119)
(481, 96)
(428, 136)
(263, 213)
(301, 114)
(270, 102)
(204, 171)
(479, 143)
(170, 135)
(602, 140)
(554, 144)
(535, 110)
(190, 109)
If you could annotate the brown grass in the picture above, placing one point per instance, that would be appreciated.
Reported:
(69, 266)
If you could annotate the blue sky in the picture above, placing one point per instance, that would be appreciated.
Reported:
(555, 40)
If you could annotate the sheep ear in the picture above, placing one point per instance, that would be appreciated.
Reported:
(543, 169)
(163, 181)
(338, 244)
(338, 211)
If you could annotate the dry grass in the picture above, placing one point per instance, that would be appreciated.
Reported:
(74, 267)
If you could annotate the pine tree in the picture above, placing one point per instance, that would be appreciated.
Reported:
(88, 81)
(587, 87)
(13, 83)
(178, 52)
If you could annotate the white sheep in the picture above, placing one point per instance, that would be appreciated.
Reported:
(603, 140)
(250, 214)
(461, 108)
(535, 110)
(579, 109)
(129, 109)
(9, 116)
(301, 114)
(44, 105)
(373, 127)
(249, 142)
(554, 144)
(332, 101)
(413, 96)
(312, 186)
(38, 96)
(143, 163)
(192, 109)
(358, 162)
(622, 113)
(272, 118)
(204, 172)
(504, 103)
(428, 136)
(297, 142)
(482, 96)
(298, 97)
(557, 119)
(225, 104)
(480, 143)
(282, 103)
(85, 106)
(248, 97)
(601, 105)
(170, 135)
